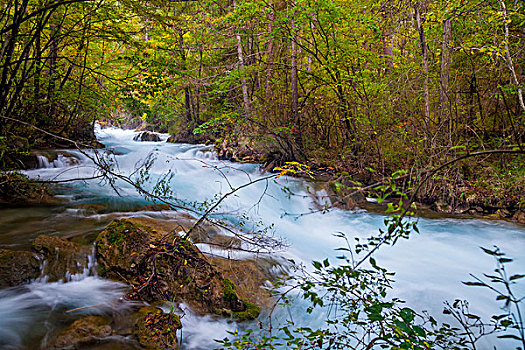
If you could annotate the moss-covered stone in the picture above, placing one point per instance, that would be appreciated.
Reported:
(155, 329)
(230, 295)
(251, 312)
(160, 265)
(83, 332)
(155, 207)
(17, 267)
(95, 208)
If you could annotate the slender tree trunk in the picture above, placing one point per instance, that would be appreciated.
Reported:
(187, 90)
(419, 10)
(446, 56)
(270, 59)
(508, 56)
(293, 74)
(53, 55)
(244, 86)
(387, 38)
(294, 81)
(38, 59)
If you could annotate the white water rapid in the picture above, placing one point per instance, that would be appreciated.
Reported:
(429, 266)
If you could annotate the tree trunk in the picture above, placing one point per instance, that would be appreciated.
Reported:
(53, 56)
(387, 37)
(244, 86)
(187, 91)
(270, 59)
(419, 10)
(508, 56)
(294, 80)
(446, 56)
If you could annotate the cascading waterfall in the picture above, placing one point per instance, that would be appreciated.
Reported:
(62, 161)
(429, 267)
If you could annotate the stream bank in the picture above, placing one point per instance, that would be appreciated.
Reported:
(350, 187)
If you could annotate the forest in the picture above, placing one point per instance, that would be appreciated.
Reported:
(417, 100)
(359, 88)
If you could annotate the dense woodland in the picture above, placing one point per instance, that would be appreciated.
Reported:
(421, 100)
(361, 88)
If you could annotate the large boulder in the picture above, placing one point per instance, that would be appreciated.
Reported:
(147, 136)
(17, 267)
(160, 265)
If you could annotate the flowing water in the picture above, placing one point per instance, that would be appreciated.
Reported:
(429, 267)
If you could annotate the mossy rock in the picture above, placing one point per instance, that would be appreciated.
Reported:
(94, 208)
(251, 312)
(17, 267)
(83, 332)
(248, 311)
(162, 266)
(155, 329)
(119, 247)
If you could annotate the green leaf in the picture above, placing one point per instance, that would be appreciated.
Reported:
(407, 314)
(419, 331)
(317, 265)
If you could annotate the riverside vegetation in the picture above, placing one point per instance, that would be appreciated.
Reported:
(407, 101)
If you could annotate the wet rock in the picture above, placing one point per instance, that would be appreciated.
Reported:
(83, 332)
(155, 329)
(155, 207)
(147, 136)
(17, 267)
(519, 217)
(204, 233)
(62, 257)
(249, 276)
(442, 207)
(503, 213)
(163, 266)
(92, 208)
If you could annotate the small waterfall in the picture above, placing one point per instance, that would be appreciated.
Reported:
(207, 155)
(43, 162)
(68, 266)
(62, 161)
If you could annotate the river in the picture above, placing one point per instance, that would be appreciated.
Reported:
(429, 266)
